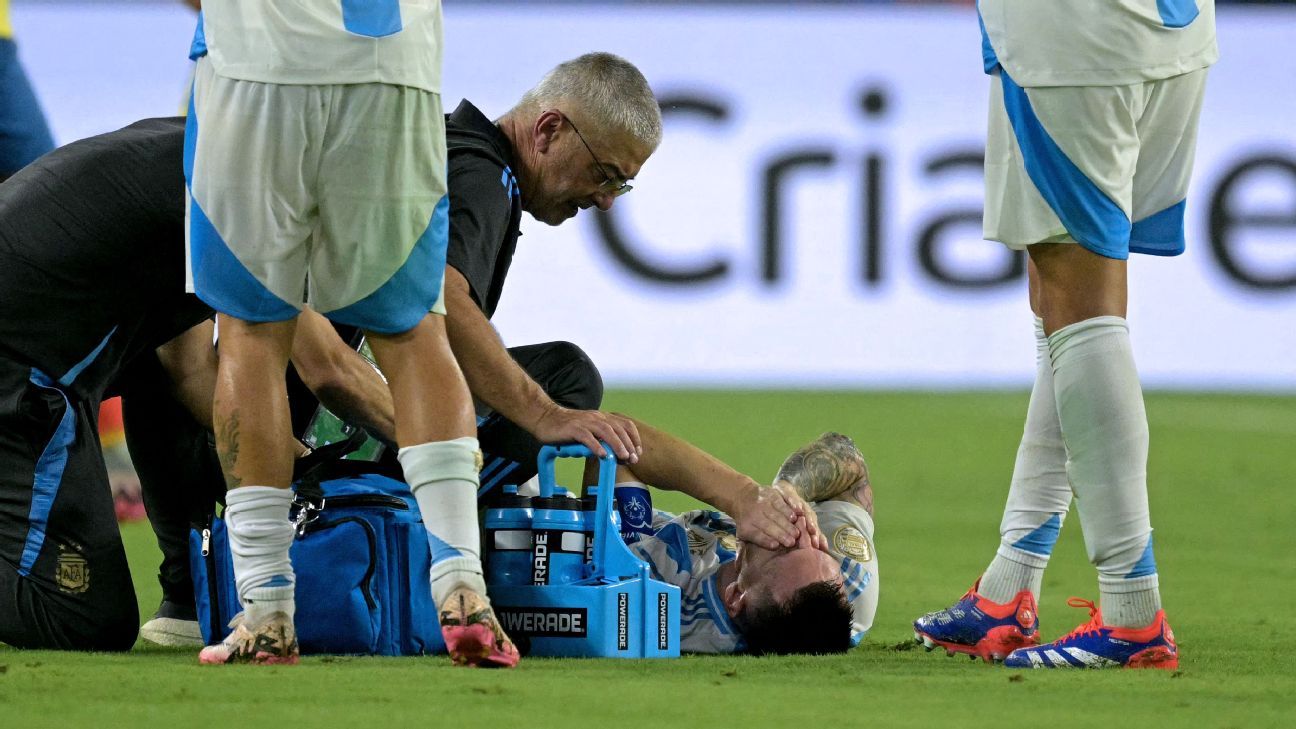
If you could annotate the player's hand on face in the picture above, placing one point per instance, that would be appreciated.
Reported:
(768, 518)
(805, 519)
(588, 427)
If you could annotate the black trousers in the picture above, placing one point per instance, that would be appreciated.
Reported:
(570, 379)
(181, 479)
(64, 580)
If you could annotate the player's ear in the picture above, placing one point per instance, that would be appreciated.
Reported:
(734, 599)
(545, 130)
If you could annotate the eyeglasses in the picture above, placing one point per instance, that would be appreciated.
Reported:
(610, 185)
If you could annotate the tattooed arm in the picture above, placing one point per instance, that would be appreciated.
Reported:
(830, 468)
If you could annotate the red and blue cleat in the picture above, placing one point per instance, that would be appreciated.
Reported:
(977, 627)
(1094, 645)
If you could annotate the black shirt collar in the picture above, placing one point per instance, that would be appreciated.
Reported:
(470, 118)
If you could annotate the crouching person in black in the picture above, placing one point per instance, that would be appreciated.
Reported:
(91, 277)
(93, 304)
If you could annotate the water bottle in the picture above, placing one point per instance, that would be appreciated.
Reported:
(557, 539)
(589, 504)
(634, 504)
(508, 539)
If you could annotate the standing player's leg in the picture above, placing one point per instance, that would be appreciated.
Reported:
(383, 183)
(1083, 298)
(439, 454)
(999, 613)
(251, 155)
(1104, 425)
(253, 436)
(1040, 494)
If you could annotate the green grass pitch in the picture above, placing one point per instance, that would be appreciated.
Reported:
(1221, 476)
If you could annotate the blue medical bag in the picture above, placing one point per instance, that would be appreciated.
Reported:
(361, 560)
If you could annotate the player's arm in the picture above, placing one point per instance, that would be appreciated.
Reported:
(497, 380)
(766, 516)
(830, 468)
(190, 363)
(343, 380)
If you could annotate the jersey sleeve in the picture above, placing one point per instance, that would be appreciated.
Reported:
(479, 216)
(849, 530)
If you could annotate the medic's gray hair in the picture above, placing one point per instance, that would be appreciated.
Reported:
(609, 91)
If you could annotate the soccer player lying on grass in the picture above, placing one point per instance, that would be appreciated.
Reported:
(788, 568)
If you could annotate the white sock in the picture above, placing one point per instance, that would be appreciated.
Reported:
(444, 478)
(1011, 571)
(1131, 603)
(256, 519)
(1100, 405)
(1039, 496)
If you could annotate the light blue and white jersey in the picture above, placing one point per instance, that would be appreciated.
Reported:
(849, 531)
(687, 551)
(1097, 42)
(318, 42)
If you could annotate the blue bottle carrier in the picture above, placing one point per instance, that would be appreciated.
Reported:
(615, 609)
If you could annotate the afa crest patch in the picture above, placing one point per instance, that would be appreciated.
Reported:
(72, 573)
(851, 542)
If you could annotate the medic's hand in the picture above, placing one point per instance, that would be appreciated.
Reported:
(588, 427)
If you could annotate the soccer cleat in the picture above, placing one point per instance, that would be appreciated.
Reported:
(1094, 645)
(173, 625)
(272, 642)
(473, 634)
(980, 628)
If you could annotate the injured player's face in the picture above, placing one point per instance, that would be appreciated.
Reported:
(775, 576)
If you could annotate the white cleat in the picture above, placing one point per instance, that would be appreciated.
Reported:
(172, 633)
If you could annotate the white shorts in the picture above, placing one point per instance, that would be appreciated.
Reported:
(333, 196)
(1104, 166)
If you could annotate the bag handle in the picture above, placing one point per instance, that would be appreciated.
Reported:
(308, 471)
(612, 560)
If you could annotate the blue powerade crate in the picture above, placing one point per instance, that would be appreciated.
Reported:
(615, 609)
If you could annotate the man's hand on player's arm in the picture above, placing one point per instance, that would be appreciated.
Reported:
(343, 380)
(497, 380)
(561, 425)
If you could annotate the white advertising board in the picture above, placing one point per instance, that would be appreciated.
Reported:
(812, 217)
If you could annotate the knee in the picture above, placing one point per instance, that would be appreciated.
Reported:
(581, 384)
(112, 627)
(55, 625)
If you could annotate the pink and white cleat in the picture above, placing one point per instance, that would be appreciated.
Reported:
(473, 634)
(273, 642)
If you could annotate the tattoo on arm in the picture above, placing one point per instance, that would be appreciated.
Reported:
(826, 468)
(227, 449)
